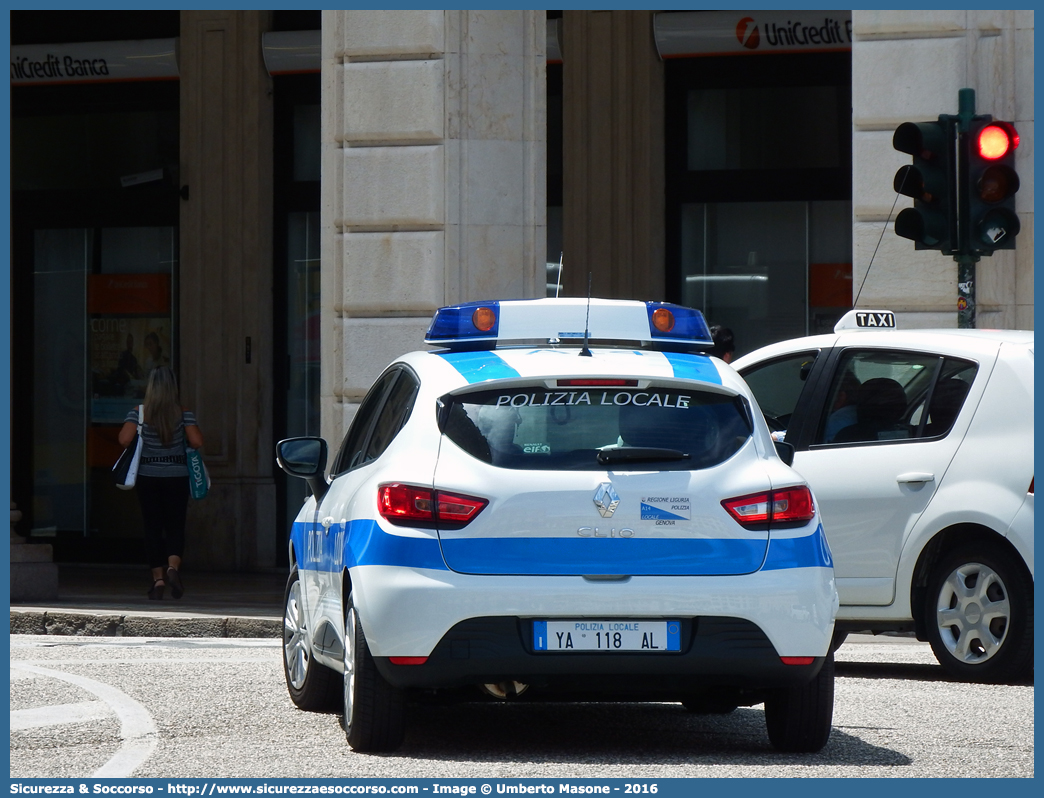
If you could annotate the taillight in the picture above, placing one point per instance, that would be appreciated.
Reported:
(457, 508)
(403, 503)
(406, 504)
(1031, 484)
(790, 506)
(797, 660)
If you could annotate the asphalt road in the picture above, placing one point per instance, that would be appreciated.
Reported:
(206, 708)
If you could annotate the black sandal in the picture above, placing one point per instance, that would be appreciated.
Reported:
(156, 591)
(177, 590)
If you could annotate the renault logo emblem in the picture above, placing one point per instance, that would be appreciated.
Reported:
(606, 500)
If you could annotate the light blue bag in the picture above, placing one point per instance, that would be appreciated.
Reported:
(199, 479)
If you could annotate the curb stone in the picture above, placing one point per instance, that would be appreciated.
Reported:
(117, 625)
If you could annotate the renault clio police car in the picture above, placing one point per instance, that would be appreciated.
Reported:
(564, 498)
(919, 446)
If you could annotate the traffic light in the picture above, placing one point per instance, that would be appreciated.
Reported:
(931, 180)
(991, 221)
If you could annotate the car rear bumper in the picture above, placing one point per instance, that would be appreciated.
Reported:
(715, 653)
(408, 612)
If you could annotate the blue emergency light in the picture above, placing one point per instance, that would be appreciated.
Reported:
(569, 319)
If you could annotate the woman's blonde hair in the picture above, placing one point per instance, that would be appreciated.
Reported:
(162, 405)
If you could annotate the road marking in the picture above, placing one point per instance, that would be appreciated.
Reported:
(137, 729)
(57, 714)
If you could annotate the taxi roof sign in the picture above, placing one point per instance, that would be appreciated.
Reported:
(478, 325)
(859, 319)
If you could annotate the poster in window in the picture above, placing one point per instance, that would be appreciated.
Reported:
(124, 349)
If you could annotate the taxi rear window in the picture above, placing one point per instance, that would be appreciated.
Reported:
(544, 429)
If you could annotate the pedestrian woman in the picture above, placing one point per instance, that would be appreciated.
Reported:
(162, 482)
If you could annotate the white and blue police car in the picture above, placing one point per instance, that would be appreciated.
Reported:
(564, 498)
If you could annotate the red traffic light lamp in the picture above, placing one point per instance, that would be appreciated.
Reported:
(992, 182)
(995, 141)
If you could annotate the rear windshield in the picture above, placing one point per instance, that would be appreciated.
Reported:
(543, 429)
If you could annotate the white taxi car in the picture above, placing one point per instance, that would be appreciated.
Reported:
(565, 499)
(919, 446)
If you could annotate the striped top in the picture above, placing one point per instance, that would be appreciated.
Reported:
(158, 460)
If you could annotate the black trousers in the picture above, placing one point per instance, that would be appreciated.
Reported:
(164, 503)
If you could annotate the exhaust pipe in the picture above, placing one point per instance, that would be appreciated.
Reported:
(504, 691)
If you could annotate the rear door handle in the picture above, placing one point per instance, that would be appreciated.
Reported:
(915, 477)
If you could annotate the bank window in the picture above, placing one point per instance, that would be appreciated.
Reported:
(756, 127)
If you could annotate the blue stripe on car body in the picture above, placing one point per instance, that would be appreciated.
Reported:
(809, 551)
(479, 366)
(603, 556)
(365, 543)
(693, 367)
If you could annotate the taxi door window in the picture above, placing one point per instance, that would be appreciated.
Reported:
(350, 454)
(947, 397)
(777, 385)
(881, 395)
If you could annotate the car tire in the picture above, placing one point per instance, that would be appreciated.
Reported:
(973, 645)
(799, 718)
(374, 710)
(312, 686)
(838, 640)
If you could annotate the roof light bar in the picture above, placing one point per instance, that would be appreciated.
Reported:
(473, 321)
(489, 324)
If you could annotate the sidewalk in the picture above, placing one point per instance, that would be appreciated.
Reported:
(110, 600)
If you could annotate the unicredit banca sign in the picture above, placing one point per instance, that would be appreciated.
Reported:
(94, 62)
(702, 33)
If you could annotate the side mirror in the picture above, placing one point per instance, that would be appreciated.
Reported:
(305, 458)
(785, 451)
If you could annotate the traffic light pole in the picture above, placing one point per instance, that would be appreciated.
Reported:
(966, 290)
(965, 261)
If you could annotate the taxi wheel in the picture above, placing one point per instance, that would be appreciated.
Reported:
(979, 616)
(374, 710)
(798, 718)
(312, 686)
(838, 640)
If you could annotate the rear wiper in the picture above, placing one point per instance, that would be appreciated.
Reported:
(631, 454)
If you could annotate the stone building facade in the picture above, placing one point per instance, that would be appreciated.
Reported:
(313, 222)
(909, 66)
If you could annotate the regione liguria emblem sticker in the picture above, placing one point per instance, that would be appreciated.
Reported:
(606, 500)
(666, 510)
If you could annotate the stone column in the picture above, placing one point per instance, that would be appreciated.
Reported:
(907, 66)
(225, 287)
(434, 162)
(613, 131)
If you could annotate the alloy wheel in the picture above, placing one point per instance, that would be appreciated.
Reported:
(973, 613)
(295, 638)
(349, 666)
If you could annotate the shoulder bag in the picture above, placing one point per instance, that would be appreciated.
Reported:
(125, 472)
(199, 478)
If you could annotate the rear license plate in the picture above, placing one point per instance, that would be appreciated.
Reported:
(592, 635)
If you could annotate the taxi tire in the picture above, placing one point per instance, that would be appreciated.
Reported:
(1014, 659)
(320, 690)
(374, 712)
(799, 718)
